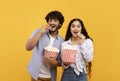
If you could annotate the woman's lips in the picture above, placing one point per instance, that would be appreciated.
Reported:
(75, 32)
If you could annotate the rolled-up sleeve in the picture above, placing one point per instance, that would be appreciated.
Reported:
(34, 33)
(86, 50)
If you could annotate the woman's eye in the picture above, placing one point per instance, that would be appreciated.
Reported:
(73, 26)
(78, 26)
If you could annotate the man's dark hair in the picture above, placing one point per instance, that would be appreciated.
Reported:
(55, 15)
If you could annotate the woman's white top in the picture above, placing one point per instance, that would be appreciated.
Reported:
(83, 56)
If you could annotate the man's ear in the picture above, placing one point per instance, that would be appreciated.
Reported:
(60, 25)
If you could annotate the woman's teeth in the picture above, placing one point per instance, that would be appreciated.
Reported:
(76, 32)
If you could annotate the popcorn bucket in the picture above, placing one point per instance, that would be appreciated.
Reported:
(68, 55)
(51, 52)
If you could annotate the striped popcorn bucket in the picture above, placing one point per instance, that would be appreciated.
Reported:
(68, 55)
(50, 54)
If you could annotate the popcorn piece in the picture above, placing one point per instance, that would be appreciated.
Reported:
(53, 49)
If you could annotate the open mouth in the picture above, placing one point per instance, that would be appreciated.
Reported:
(52, 25)
(75, 32)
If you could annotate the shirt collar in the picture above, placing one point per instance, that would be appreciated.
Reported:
(69, 41)
(57, 37)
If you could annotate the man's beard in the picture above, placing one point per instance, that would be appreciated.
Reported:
(53, 30)
(53, 26)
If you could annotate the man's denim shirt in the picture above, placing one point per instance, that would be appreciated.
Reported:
(37, 57)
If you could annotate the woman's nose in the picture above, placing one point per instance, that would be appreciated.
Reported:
(76, 27)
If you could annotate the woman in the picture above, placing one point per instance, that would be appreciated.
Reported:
(77, 37)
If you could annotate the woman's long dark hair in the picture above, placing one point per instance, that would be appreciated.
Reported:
(84, 32)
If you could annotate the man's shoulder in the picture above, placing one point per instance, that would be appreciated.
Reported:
(60, 38)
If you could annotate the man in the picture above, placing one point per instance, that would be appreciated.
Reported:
(42, 69)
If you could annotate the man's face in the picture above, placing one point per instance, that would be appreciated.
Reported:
(54, 24)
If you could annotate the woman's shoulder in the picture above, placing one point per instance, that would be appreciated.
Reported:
(64, 42)
(88, 41)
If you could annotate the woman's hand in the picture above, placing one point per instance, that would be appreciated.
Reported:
(67, 63)
(82, 38)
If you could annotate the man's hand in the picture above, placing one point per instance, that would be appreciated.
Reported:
(44, 28)
(52, 61)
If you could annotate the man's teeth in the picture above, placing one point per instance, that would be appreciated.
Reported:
(52, 25)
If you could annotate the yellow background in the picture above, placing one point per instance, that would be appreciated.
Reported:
(19, 18)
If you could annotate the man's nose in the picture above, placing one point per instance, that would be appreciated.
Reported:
(52, 22)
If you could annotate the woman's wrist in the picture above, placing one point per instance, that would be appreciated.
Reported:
(65, 64)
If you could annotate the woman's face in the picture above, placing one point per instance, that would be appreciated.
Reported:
(75, 28)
